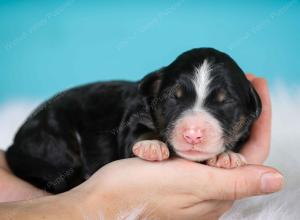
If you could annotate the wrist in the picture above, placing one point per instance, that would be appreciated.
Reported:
(105, 202)
(90, 204)
(49, 207)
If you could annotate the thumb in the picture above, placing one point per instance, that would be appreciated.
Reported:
(243, 182)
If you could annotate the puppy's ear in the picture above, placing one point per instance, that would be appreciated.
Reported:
(254, 102)
(150, 84)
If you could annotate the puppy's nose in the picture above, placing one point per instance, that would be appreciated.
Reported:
(193, 135)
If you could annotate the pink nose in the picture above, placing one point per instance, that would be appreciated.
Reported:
(193, 135)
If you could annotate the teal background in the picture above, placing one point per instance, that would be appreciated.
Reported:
(47, 46)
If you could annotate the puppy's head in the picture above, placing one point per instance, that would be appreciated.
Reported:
(202, 103)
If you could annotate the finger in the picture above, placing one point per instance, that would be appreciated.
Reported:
(242, 182)
(257, 148)
(250, 76)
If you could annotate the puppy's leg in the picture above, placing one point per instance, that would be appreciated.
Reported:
(152, 150)
(48, 160)
(228, 160)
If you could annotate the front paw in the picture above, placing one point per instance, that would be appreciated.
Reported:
(228, 160)
(152, 150)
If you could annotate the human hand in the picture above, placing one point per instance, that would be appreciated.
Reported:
(182, 189)
(172, 189)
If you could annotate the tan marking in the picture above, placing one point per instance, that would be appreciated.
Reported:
(221, 95)
(233, 135)
(241, 122)
(178, 92)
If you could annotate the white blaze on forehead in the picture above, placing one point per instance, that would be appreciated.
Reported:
(201, 82)
(198, 117)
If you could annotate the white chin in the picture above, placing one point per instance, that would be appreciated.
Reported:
(195, 155)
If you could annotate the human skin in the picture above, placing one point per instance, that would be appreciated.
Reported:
(174, 189)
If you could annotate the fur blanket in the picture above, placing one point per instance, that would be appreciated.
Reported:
(284, 156)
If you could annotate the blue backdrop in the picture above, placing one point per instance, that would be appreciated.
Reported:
(46, 46)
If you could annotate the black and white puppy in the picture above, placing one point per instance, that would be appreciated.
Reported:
(200, 107)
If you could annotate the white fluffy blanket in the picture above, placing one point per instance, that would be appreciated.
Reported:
(285, 153)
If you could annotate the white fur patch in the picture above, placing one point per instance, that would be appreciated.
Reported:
(201, 82)
(78, 137)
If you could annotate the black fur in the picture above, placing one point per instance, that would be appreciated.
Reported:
(79, 130)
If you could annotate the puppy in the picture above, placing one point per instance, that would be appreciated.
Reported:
(200, 107)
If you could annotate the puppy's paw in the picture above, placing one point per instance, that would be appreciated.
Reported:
(152, 150)
(228, 160)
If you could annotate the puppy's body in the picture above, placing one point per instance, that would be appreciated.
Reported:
(199, 106)
(76, 132)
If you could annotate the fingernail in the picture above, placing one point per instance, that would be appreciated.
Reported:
(271, 182)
